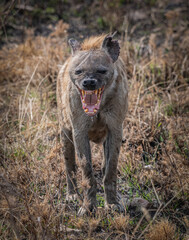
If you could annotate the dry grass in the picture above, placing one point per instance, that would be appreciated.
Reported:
(162, 230)
(154, 161)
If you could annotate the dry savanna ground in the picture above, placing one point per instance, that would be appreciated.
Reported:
(154, 159)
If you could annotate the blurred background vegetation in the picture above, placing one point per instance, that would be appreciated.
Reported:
(136, 17)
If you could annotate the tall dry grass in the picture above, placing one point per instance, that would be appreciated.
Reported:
(153, 163)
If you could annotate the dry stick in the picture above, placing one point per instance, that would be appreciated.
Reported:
(156, 193)
(138, 225)
(109, 235)
(42, 81)
(21, 224)
(158, 211)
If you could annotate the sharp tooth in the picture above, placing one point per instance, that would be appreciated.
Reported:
(83, 100)
(94, 110)
(86, 110)
(99, 92)
(96, 91)
(83, 92)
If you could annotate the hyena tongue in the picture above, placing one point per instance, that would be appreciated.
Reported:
(90, 102)
(90, 98)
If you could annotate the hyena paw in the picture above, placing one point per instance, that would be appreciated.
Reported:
(115, 207)
(71, 197)
(82, 211)
(86, 210)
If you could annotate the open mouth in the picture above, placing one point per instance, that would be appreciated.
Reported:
(91, 100)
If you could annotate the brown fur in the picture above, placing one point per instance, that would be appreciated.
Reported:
(78, 128)
(93, 43)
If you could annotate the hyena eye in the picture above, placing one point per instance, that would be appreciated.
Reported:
(77, 72)
(101, 71)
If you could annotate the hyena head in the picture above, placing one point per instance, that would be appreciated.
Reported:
(92, 71)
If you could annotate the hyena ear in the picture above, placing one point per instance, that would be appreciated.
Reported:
(75, 45)
(112, 47)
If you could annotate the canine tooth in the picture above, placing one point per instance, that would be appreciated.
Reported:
(83, 92)
(94, 110)
(83, 100)
(99, 92)
(86, 110)
(96, 91)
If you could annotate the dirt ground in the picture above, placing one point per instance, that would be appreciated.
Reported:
(154, 160)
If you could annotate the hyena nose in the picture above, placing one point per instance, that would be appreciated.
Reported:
(91, 83)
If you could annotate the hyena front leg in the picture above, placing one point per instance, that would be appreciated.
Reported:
(69, 158)
(83, 151)
(111, 153)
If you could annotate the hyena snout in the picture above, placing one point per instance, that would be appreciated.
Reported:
(89, 84)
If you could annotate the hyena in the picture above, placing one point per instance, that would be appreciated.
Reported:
(92, 98)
